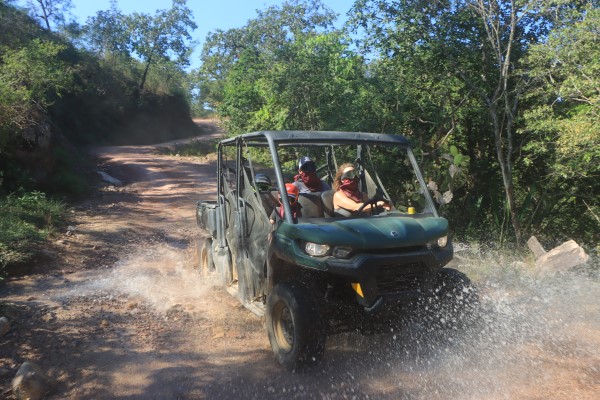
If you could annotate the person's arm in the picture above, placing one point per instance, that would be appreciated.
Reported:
(274, 216)
(340, 200)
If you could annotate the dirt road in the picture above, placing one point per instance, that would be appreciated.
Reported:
(119, 312)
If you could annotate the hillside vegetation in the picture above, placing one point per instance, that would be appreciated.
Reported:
(66, 87)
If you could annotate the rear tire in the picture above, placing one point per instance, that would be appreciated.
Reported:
(224, 268)
(295, 328)
(206, 260)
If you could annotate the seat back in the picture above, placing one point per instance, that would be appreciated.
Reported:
(312, 207)
(269, 200)
(327, 203)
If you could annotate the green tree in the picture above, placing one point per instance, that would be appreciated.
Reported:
(106, 34)
(309, 83)
(31, 78)
(49, 11)
(419, 50)
(264, 35)
(564, 125)
(162, 37)
(470, 52)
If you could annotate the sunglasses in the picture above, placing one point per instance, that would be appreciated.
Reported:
(349, 174)
(308, 167)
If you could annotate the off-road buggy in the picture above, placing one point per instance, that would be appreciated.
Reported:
(327, 273)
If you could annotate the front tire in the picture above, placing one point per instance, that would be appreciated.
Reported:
(294, 325)
(456, 299)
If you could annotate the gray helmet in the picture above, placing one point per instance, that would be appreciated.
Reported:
(263, 182)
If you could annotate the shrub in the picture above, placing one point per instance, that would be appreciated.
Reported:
(27, 219)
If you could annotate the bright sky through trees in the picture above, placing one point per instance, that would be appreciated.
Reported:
(208, 15)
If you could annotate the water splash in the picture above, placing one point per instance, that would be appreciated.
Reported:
(162, 276)
(534, 337)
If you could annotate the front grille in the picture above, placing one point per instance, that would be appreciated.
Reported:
(396, 250)
(399, 278)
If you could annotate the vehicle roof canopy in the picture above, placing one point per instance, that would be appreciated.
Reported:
(318, 137)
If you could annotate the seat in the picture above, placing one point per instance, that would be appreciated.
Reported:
(328, 210)
(269, 201)
(327, 203)
(312, 206)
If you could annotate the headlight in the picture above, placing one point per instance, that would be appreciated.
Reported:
(443, 241)
(440, 242)
(316, 250)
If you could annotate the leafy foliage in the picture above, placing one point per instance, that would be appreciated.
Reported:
(563, 124)
(459, 78)
(48, 11)
(26, 219)
(161, 37)
(30, 80)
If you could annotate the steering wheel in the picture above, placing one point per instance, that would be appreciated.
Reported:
(379, 196)
(373, 202)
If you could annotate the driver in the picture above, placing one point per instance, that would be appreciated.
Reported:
(347, 198)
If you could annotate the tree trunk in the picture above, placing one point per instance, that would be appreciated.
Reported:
(503, 118)
(45, 17)
(145, 74)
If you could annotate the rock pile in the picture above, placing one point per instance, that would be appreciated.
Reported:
(560, 259)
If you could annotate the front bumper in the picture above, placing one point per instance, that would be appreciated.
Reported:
(395, 275)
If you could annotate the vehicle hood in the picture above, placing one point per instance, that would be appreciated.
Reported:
(380, 232)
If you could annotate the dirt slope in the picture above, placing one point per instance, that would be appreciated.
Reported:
(119, 312)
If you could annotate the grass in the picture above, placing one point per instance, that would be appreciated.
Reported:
(26, 220)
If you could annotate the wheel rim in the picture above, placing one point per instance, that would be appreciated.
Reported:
(283, 325)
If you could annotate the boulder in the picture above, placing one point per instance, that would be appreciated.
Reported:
(535, 247)
(562, 258)
(30, 382)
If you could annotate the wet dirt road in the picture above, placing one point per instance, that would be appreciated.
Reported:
(121, 313)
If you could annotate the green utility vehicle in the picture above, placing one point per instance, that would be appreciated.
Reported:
(326, 272)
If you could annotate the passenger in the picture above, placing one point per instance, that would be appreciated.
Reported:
(263, 183)
(347, 199)
(307, 180)
(296, 208)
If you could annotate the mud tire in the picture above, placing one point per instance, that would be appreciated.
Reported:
(224, 267)
(294, 326)
(455, 299)
(206, 263)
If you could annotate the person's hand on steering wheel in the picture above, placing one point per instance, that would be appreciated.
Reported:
(384, 204)
(375, 202)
